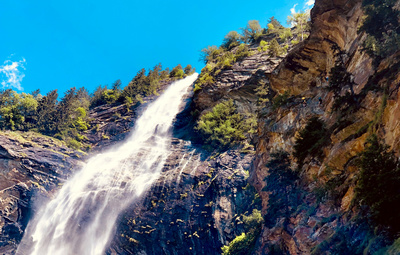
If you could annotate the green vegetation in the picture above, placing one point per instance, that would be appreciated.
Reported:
(340, 79)
(275, 48)
(224, 127)
(244, 243)
(280, 100)
(310, 140)
(66, 119)
(218, 59)
(300, 22)
(263, 92)
(274, 26)
(252, 31)
(378, 186)
(231, 40)
(235, 46)
(383, 36)
(263, 46)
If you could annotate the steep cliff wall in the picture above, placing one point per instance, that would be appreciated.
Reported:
(32, 167)
(199, 203)
(325, 218)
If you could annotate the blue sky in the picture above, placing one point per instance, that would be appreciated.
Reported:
(61, 44)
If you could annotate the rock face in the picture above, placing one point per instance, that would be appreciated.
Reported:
(193, 208)
(32, 167)
(324, 222)
(197, 204)
(333, 23)
(237, 82)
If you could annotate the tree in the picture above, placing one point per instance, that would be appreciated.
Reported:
(378, 186)
(310, 140)
(209, 53)
(299, 20)
(273, 25)
(96, 98)
(232, 39)
(285, 35)
(116, 86)
(65, 109)
(274, 48)
(384, 36)
(36, 94)
(46, 113)
(137, 86)
(14, 108)
(188, 70)
(164, 74)
(252, 31)
(177, 72)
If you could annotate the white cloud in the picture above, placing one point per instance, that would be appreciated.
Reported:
(293, 10)
(11, 74)
(309, 3)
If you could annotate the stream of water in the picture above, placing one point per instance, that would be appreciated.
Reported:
(81, 218)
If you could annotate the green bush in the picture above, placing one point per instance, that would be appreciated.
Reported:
(274, 48)
(263, 46)
(74, 144)
(311, 140)
(109, 96)
(378, 186)
(224, 127)
(384, 36)
(241, 52)
(280, 100)
(177, 72)
(244, 243)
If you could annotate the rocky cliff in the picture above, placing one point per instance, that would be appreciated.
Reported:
(32, 168)
(203, 201)
(325, 217)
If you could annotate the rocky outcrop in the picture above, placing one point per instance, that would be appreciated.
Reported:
(193, 208)
(333, 23)
(237, 82)
(112, 123)
(32, 168)
(325, 222)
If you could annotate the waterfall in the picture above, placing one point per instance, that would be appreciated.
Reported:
(81, 218)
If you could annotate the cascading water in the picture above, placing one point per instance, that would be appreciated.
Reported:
(81, 218)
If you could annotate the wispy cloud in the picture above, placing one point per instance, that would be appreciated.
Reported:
(309, 3)
(293, 9)
(11, 74)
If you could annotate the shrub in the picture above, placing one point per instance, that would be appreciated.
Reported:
(310, 140)
(280, 100)
(109, 96)
(224, 127)
(232, 39)
(74, 144)
(242, 52)
(252, 31)
(378, 186)
(274, 48)
(383, 36)
(244, 243)
(263, 46)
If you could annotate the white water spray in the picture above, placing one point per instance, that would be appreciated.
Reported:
(81, 218)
